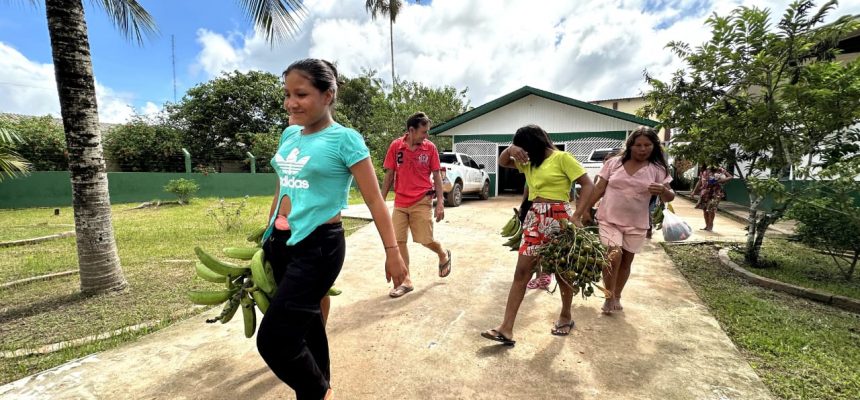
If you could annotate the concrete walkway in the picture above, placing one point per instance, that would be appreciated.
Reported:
(426, 345)
(740, 213)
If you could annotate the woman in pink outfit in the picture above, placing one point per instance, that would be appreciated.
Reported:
(626, 185)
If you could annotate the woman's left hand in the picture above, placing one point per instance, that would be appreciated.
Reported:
(576, 221)
(656, 189)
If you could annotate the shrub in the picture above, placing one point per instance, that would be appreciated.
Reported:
(830, 219)
(229, 215)
(140, 146)
(43, 142)
(264, 146)
(823, 224)
(183, 188)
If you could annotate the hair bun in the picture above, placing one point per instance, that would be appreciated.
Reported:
(333, 70)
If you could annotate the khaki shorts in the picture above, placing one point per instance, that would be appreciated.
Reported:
(630, 238)
(416, 218)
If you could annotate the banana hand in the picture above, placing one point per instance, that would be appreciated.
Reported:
(219, 267)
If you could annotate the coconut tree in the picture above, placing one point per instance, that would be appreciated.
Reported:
(390, 9)
(11, 164)
(98, 261)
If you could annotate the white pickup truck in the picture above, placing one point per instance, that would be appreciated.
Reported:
(462, 175)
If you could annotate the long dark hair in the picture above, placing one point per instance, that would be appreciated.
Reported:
(535, 142)
(656, 156)
(321, 73)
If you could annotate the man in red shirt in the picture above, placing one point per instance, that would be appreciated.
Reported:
(410, 161)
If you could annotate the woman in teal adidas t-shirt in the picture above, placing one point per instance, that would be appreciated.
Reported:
(316, 161)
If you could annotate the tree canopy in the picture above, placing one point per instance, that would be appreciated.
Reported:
(769, 100)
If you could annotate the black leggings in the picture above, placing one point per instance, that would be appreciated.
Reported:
(292, 338)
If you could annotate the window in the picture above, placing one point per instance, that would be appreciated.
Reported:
(448, 158)
(615, 105)
(599, 154)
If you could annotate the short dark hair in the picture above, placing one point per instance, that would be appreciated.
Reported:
(417, 119)
(321, 73)
(535, 141)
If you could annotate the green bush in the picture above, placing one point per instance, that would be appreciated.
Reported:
(183, 188)
(829, 219)
(264, 146)
(828, 225)
(141, 146)
(43, 142)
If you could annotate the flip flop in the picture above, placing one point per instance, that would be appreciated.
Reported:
(400, 291)
(541, 282)
(498, 337)
(557, 328)
(447, 264)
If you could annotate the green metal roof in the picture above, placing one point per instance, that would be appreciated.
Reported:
(528, 90)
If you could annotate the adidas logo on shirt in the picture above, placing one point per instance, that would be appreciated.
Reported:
(292, 165)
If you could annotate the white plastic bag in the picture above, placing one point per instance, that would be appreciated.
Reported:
(674, 228)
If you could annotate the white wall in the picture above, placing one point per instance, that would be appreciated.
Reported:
(550, 115)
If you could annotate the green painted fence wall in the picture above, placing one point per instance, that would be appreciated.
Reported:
(736, 192)
(54, 189)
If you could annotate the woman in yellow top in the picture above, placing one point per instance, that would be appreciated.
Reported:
(549, 174)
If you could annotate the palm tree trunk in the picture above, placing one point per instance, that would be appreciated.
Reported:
(391, 36)
(98, 260)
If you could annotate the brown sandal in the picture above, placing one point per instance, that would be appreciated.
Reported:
(446, 265)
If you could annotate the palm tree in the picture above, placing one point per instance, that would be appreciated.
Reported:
(11, 164)
(389, 8)
(99, 264)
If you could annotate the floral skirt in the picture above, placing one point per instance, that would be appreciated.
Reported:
(709, 199)
(541, 224)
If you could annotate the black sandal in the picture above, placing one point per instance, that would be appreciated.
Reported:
(557, 328)
(498, 337)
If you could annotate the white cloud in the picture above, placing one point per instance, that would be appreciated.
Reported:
(150, 109)
(585, 49)
(28, 87)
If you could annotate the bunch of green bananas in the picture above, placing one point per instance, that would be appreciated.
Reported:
(513, 229)
(246, 286)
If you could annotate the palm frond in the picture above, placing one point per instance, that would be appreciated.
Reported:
(385, 8)
(278, 19)
(11, 164)
(130, 18)
(376, 8)
(394, 9)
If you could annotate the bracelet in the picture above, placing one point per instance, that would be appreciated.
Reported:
(391, 247)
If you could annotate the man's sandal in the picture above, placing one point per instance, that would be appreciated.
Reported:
(559, 329)
(447, 264)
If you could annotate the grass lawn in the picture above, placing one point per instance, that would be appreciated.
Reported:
(801, 349)
(797, 264)
(28, 231)
(156, 250)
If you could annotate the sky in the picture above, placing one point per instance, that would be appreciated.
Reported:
(585, 49)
